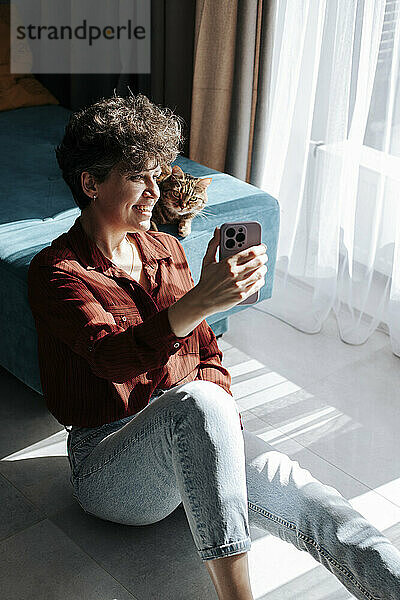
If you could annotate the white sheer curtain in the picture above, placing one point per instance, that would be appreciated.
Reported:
(333, 162)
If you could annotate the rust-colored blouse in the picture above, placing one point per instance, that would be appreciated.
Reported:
(104, 342)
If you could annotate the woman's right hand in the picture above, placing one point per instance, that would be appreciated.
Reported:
(224, 284)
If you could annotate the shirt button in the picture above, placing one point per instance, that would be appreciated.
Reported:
(176, 345)
(90, 348)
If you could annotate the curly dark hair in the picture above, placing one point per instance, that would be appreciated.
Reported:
(121, 133)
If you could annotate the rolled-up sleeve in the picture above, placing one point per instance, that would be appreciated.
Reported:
(63, 305)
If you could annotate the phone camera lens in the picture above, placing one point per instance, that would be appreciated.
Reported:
(230, 232)
(240, 237)
(230, 243)
(240, 228)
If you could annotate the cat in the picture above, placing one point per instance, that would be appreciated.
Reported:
(182, 197)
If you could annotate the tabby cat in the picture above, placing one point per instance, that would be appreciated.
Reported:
(182, 197)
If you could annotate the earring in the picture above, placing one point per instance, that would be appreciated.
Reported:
(94, 197)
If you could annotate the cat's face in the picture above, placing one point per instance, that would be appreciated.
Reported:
(184, 193)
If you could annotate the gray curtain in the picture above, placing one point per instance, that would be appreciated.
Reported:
(258, 146)
(246, 141)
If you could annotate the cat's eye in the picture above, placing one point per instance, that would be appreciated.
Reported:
(176, 195)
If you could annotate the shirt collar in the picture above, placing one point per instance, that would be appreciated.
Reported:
(90, 255)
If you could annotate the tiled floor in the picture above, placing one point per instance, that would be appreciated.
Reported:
(332, 407)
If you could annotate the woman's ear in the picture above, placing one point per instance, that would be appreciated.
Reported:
(88, 183)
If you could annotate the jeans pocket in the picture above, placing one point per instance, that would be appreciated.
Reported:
(83, 440)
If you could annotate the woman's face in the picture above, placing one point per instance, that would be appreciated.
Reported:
(120, 196)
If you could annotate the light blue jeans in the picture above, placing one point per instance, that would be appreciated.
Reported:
(186, 446)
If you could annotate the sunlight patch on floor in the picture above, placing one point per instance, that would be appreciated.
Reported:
(391, 491)
(259, 390)
(245, 367)
(54, 445)
(382, 513)
(297, 426)
(271, 560)
(273, 563)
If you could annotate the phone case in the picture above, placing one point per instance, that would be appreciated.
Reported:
(237, 236)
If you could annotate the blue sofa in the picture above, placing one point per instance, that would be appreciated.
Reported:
(37, 206)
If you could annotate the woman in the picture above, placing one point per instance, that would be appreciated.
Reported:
(129, 362)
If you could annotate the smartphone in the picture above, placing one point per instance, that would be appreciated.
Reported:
(238, 236)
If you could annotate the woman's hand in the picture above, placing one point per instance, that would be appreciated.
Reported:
(224, 284)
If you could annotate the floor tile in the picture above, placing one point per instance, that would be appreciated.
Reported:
(16, 511)
(302, 577)
(41, 472)
(152, 561)
(223, 344)
(351, 419)
(23, 414)
(299, 358)
(252, 382)
(279, 571)
(44, 481)
(320, 469)
(43, 563)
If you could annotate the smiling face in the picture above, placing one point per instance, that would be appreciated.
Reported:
(125, 202)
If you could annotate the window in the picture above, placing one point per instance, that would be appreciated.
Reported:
(379, 166)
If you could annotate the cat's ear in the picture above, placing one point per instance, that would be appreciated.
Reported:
(177, 172)
(203, 183)
(165, 172)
